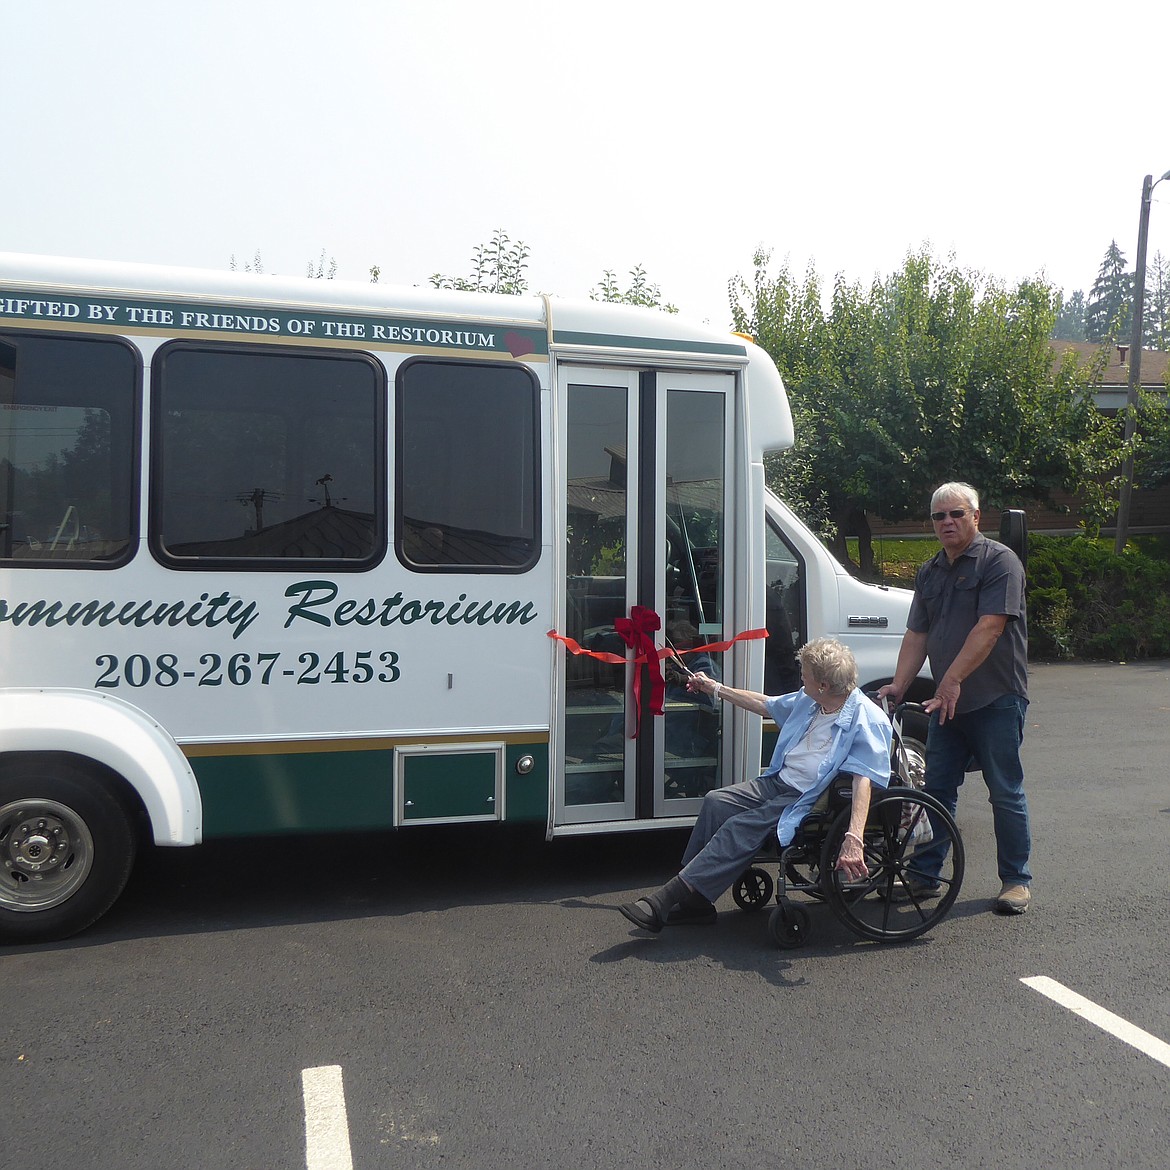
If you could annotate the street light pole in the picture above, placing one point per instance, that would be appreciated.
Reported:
(1135, 362)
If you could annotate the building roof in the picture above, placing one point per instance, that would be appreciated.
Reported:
(1114, 385)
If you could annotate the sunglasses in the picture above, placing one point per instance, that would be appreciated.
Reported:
(954, 514)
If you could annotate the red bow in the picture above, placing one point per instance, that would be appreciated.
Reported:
(637, 632)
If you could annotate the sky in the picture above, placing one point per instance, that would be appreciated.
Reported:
(681, 136)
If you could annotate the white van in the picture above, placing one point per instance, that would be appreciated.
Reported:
(281, 555)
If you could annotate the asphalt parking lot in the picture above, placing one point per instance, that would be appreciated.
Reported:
(473, 999)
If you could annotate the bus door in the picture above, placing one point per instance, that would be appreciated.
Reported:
(646, 506)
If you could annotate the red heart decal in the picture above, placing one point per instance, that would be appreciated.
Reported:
(519, 345)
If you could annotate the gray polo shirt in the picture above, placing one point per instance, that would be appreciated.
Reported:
(986, 578)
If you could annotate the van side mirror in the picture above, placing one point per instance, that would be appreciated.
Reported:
(1013, 531)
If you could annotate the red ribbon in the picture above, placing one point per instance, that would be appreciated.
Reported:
(719, 647)
(636, 631)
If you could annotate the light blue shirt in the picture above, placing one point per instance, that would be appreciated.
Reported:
(862, 738)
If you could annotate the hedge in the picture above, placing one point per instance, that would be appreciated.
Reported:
(1084, 601)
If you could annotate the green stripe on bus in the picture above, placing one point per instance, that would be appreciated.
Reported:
(252, 320)
(673, 345)
(328, 791)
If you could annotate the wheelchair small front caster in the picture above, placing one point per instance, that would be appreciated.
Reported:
(753, 889)
(789, 925)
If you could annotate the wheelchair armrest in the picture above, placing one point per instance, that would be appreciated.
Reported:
(836, 796)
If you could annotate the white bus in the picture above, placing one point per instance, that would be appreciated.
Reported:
(284, 555)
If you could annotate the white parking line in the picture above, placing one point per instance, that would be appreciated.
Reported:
(1154, 1048)
(326, 1125)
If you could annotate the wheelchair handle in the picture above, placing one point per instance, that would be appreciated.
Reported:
(894, 710)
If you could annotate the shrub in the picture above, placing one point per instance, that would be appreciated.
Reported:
(1086, 602)
(1083, 600)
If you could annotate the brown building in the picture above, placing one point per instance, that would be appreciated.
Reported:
(1114, 387)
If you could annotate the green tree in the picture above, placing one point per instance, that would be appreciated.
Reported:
(1070, 320)
(640, 291)
(496, 267)
(256, 264)
(931, 374)
(1156, 313)
(1151, 466)
(323, 270)
(1108, 309)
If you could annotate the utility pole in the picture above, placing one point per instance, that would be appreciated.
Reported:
(1135, 362)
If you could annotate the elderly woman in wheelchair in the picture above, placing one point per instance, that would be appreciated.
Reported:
(815, 802)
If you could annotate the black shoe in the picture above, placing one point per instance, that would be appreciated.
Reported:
(920, 889)
(695, 911)
(642, 913)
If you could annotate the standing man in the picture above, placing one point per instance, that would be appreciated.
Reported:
(969, 618)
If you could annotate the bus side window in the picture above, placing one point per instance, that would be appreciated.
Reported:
(262, 458)
(785, 613)
(467, 466)
(68, 437)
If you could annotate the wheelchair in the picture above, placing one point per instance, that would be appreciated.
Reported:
(887, 906)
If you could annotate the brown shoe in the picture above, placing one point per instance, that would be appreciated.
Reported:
(1013, 899)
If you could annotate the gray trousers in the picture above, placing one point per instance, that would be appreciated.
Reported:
(733, 823)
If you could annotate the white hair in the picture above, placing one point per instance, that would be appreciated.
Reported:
(955, 491)
(830, 662)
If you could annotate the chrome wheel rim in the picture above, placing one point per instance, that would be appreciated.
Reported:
(46, 853)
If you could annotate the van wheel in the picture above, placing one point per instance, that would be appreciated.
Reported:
(67, 845)
(913, 762)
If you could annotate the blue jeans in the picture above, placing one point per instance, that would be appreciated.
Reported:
(991, 737)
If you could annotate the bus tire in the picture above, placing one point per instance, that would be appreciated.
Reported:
(67, 845)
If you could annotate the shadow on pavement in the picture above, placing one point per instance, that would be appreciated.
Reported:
(242, 884)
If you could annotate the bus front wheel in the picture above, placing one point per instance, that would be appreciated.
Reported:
(67, 845)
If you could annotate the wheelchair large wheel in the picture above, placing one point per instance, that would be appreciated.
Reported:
(890, 905)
